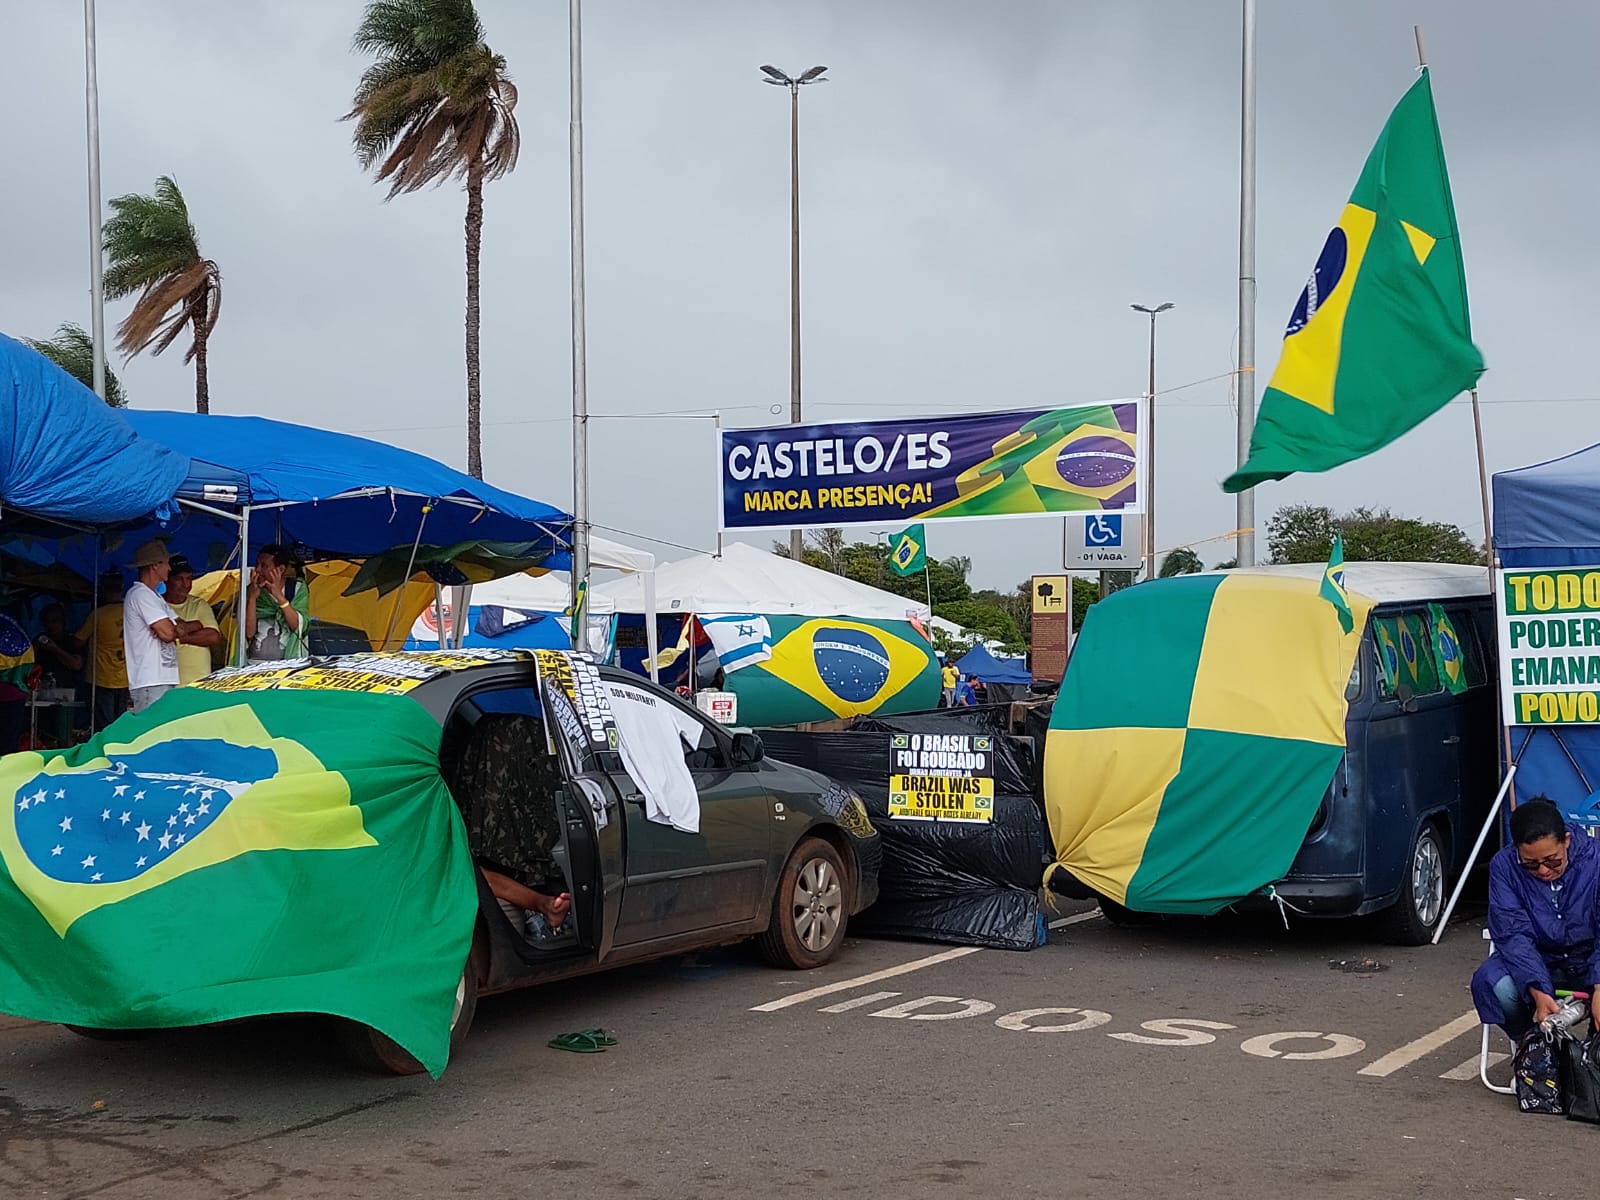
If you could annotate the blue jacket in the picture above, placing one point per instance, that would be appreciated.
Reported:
(1531, 933)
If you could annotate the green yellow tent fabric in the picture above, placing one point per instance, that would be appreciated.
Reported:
(1198, 726)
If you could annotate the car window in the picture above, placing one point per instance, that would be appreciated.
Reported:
(1403, 653)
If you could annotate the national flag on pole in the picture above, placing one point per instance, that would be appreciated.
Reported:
(1380, 338)
(1333, 590)
(1447, 650)
(908, 552)
(740, 641)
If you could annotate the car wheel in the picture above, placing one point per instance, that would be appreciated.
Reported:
(1125, 917)
(1416, 914)
(382, 1055)
(809, 910)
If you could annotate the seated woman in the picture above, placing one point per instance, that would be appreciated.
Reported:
(1544, 890)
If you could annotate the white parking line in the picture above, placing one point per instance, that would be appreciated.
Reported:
(1469, 1069)
(845, 985)
(1076, 919)
(1391, 1062)
(859, 1002)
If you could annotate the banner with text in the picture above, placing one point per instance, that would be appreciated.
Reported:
(1549, 621)
(1010, 464)
(941, 777)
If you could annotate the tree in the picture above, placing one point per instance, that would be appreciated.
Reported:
(990, 623)
(1304, 533)
(1227, 564)
(151, 248)
(1182, 561)
(437, 104)
(72, 349)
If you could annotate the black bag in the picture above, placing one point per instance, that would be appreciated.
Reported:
(1536, 1073)
(1580, 1071)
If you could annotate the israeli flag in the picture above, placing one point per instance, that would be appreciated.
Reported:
(740, 641)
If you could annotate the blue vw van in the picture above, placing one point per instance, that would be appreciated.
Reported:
(1421, 767)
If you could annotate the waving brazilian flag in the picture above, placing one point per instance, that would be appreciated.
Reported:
(908, 553)
(827, 667)
(1380, 338)
(227, 855)
(1199, 725)
(1447, 652)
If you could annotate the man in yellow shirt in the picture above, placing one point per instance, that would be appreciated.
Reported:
(102, 634)
(194, 649)
(948, 678)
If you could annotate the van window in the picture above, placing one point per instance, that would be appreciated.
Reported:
(1404, 653)
(1471, 649)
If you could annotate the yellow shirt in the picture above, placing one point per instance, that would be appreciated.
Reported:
(104, 630)
(949, 676)
(194, 662)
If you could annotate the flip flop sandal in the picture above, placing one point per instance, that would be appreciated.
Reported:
(585, 1041)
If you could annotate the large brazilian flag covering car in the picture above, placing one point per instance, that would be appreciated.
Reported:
(264, 842)
(1199, 725)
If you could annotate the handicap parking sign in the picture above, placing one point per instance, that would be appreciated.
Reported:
(1103, 529)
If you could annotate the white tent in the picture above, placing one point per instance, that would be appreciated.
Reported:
(748, 580)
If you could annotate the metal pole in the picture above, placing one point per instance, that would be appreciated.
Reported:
(580, 378)
(796, 536)
(1150, 484)
(97, 281)
(1483, 836)
(242, 641)
(1245, 501)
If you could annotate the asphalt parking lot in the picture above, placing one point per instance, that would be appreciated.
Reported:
(1222, 1058)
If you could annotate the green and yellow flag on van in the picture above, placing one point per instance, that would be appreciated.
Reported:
(234, 853)
(1381, 337)
(1199, 724)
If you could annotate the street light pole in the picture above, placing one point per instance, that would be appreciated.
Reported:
(97, 281)
(1150, 445)
(1245, 502)
(794, 83)
(580, 367)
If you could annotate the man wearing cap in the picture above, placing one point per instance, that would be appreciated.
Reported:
(194, 648)
(150, 629)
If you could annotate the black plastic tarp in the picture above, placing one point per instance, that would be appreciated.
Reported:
(973, 883)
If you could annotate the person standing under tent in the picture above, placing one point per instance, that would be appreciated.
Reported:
(102, 636)
(150, 630)
(948, 678)
(194, 648)
(277, 609)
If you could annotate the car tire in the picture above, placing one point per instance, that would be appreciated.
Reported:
(382, 1055)
(1414, 917)
(810, 909)
(1126, 918)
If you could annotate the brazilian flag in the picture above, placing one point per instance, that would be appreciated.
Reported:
(232, 854)
(908, 553)
(1199, 725)
(827, 667)
(1381, 337)
(1447, 650)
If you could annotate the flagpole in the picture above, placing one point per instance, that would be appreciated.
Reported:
(927, 579)
(1245, 501)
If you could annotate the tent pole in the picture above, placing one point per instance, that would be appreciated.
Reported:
(400, 594)
(652, 637)
(94, 675)
(242, 651)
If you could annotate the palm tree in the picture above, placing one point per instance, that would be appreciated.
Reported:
(72, 349)
(437, 104)
(151, 248)
(1182, 561)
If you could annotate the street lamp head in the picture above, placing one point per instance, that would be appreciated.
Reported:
(1160, 308)
(775, 76)
(813, 75)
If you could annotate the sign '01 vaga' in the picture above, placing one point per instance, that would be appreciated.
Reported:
(1008, 464)
(1549, 625)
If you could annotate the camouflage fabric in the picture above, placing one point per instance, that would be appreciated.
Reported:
(506, 785)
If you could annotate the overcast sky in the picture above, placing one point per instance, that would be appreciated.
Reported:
(987, 186)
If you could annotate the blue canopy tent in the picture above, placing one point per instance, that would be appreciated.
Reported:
(68, 457)
(980, 663)
(1548, 515)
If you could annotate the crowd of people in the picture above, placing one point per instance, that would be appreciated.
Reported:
(142, 641)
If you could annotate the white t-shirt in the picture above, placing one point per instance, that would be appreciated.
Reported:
(151, 662)
(651, 730)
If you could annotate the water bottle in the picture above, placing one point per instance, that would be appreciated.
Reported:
(1561, 1022)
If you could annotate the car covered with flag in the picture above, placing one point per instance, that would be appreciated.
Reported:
(318, 837)
(1224, 739)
